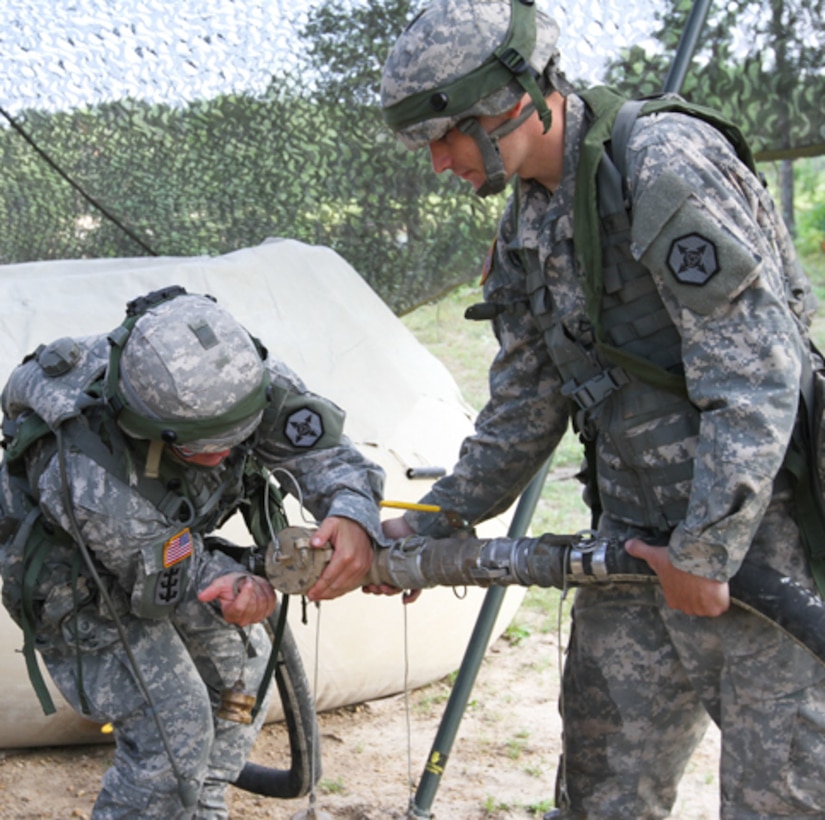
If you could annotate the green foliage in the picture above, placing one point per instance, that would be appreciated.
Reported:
(310, 159)
(811, 229)
(347, 43)
(759, 62)
(809, 181)
(814, 266)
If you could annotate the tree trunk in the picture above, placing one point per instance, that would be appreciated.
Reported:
(786, 194)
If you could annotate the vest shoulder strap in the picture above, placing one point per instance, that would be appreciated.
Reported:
(610, 160)
(601, 191)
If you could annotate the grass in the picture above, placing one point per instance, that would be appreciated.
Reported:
(327, 786)
(517, 632)
(538, 809)
(464, 346)
(517, 744)
(491, 806)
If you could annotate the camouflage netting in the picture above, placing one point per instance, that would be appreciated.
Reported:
(202, 127)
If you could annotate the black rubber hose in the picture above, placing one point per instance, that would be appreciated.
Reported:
(795, 610)
(759, 589)
(564, 561)
(302, 729)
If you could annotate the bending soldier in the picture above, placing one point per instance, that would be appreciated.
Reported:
(123, 453)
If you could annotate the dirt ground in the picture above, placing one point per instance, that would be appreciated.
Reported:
(502, 763)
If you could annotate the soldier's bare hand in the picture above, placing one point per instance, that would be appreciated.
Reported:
(688, 593)
(244, 599)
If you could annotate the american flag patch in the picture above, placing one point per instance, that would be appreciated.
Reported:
(177, 548)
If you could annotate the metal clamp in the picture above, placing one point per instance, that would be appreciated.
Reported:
(292, 565)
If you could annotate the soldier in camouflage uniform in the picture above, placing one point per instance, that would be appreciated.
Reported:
(709, 287)
(185, 394)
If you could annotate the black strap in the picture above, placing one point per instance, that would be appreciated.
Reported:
(801, 461)
(34, 551)
(277, 637)
(77, 560)
(620, 135)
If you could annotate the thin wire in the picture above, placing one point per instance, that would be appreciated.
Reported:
(563, 799)
(315, 699)
(267, 512)
(297, 489)
(57, 169)
(410, 782)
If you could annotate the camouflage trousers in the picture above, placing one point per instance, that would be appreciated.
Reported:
(185, 663)
(642, 681)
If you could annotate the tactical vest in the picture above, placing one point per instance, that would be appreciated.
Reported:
(626, 316)
(627, 335)
(629, 338)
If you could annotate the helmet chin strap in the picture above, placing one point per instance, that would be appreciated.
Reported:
(495, 175)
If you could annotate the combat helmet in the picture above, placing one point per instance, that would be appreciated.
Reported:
(183, 371)
(460, 59)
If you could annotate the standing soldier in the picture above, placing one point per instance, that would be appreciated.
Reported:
(669, 325)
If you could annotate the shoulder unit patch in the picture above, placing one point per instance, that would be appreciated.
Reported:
(692, 259)
(304, 428)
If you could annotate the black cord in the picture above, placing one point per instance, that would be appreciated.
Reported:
(187, 789)
(91, 200)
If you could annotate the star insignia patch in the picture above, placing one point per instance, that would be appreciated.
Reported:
(304, 428)
(692, 259)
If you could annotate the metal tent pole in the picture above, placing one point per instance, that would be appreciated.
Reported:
(473, 656)
(687, 46)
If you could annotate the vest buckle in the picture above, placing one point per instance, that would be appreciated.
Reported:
(596, 389)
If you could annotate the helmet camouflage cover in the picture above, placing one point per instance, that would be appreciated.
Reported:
(464, 58)
(190, 374)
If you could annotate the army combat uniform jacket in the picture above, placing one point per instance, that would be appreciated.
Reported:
(737, 343)
(131, 535)
(711, 290)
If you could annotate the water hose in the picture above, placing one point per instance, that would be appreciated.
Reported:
(563, 561)
(560, 561)
(302, 729)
